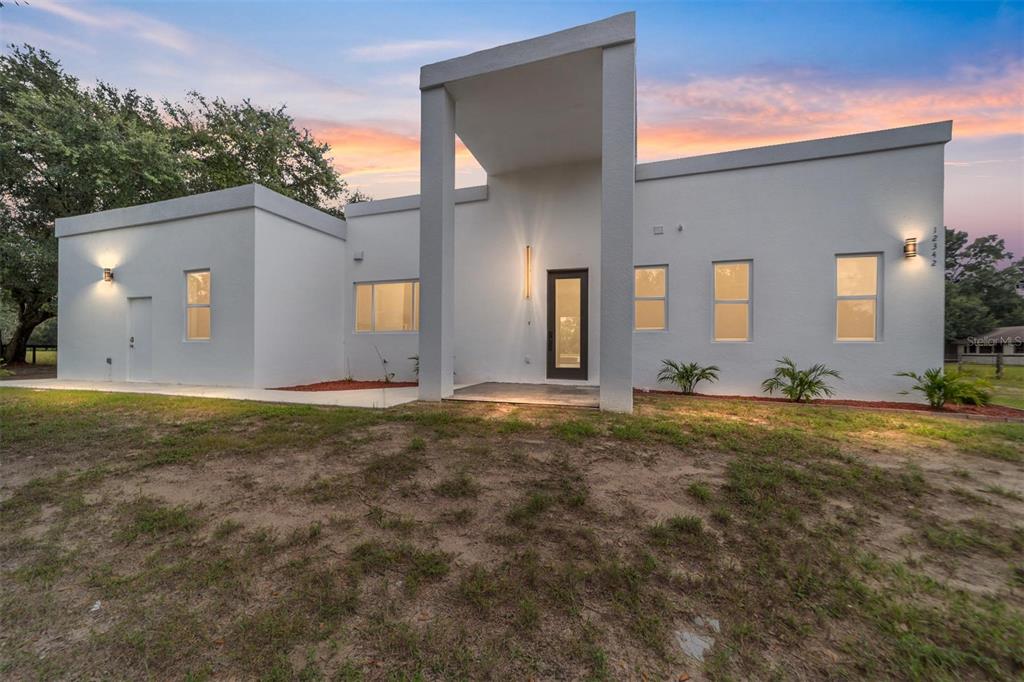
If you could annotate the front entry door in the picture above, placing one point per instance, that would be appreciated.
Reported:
(140, 339)
(567, 324)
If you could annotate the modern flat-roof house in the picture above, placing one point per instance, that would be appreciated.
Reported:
(573, 265)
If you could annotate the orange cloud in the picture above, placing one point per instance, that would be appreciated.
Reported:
(375, 158)
(717, 114)
(710, 115)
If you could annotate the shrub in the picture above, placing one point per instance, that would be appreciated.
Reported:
(687, 376)
(940, 387)
(800, 385)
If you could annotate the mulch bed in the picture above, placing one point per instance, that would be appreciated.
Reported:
(983, 411)
(347, 385)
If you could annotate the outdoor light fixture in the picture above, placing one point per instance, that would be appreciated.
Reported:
(528, 274)
(910, 247)
(108, 274)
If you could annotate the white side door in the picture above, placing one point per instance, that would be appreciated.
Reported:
(140, 339)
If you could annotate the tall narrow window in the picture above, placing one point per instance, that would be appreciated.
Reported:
(857, 298)
(732, 301)
(650, 290)
(197, 305)
(388, 307)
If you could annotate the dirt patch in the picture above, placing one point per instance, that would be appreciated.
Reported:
(485, 541)
(347, 385)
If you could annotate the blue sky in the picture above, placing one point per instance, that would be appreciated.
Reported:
(712, 76)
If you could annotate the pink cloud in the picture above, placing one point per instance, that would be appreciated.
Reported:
(708, 115)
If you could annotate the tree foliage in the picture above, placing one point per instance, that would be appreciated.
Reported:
(67, 150)
(981, 282)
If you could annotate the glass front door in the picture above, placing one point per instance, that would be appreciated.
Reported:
(567, 324)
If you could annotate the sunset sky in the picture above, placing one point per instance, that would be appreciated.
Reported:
(711, 76)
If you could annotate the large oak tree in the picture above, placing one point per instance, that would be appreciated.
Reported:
(66, 149)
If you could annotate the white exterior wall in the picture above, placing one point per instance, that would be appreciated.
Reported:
(792, 220)
(299, 306)
(556, 210)
(151, 260)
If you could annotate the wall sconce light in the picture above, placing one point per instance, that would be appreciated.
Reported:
(528, 272)
(910, 247)
(108, 274)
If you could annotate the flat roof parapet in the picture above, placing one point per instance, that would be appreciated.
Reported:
(220, 201)
(463, 195)
(614, 30)
(844, 145)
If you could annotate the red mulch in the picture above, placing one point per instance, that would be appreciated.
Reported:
(985, 411)
(347, 385)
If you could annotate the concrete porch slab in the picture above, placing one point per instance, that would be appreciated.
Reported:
(372, 398)
(530, 394)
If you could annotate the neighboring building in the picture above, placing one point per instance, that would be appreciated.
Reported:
(1007, 342)
(573, 264)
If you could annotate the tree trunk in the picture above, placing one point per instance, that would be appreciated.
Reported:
(14, 350)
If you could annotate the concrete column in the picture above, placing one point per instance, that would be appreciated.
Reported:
(618, 168)
(437, 243)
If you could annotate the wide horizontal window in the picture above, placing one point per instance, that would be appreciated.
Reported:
(732, 301)
(197, 305)
(388, 306)
(857, 298)
(650, 291)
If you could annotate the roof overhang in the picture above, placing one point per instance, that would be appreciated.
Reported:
(532, 103)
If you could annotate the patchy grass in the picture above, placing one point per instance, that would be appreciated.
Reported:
(465, 541)
(1009, 390)
(458, 486)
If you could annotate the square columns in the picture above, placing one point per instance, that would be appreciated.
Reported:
(437, 243)
(618, 168)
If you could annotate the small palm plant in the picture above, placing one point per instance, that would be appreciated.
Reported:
(687, 376)
(940, 387)
(800, 385)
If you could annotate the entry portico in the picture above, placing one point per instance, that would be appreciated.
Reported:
(561, 99)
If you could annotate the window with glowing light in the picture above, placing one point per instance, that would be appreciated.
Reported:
(388, 306)
(650, 290)
(857, 289)
(732, 300)
(197, 305)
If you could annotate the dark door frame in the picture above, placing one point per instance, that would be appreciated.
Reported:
(569, 372)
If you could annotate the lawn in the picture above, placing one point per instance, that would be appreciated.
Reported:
(177, 538)
(1007, 391)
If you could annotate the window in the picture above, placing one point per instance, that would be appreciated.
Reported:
(857, 298)
(732, 301)
(197, 305)
(388, 307)
(649, 305)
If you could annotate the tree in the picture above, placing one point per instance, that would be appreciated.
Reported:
(981, 280)
(230, 145)
(68, 150)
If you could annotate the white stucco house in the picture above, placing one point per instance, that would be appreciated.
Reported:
(573, 264)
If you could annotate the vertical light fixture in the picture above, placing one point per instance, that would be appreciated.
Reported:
(108, 274)
(528, 272)
(910, 247)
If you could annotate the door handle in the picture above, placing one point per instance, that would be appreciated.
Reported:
(551, 340)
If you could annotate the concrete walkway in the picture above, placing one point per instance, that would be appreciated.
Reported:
(373, 397)
(530, 394)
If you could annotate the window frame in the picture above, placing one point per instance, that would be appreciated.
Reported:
(749, 300)
(188, 306)
(836, 298)
(663, 299)
(373, 306)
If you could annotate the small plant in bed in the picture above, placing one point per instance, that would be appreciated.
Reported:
(950, 386)
(800, 385)
(686, 376)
